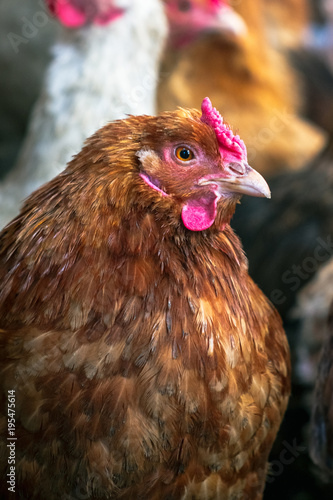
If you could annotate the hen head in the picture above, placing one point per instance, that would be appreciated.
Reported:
(77, 13)
(203, 165)
(189, 18)
(186, 168)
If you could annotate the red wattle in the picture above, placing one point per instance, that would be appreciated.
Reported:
(198, 215)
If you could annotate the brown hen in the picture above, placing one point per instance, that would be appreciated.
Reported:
(142, 360)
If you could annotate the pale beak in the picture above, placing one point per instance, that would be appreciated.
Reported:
(242, 179)
(232, 22)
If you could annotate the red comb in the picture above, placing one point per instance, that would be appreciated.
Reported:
(231, 146)
(67, 14)
(77, 13)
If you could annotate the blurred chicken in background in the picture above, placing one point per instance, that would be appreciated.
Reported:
(286, 21)
(320, 33)
(321, 444)
(313, 62)
(190, 18)
(253, 84)
(315, 363)
(87, 84)
(313, 306)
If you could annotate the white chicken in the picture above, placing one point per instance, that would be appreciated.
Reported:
(100, 71)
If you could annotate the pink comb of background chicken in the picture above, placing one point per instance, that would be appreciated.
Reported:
(217, 3)
(67, 14)
(77, 13)
(232, 148)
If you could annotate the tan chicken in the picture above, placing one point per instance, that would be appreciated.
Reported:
(252, 81)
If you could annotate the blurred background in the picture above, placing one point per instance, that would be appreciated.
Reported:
(69, 66)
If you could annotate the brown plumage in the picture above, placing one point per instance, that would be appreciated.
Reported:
(145, 361)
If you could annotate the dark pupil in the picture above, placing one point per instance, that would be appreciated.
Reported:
(184, 5)
(185, 154)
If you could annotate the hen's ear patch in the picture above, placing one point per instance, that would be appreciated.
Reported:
(150, 161)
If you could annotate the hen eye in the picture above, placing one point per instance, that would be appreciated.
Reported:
(184, 154)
